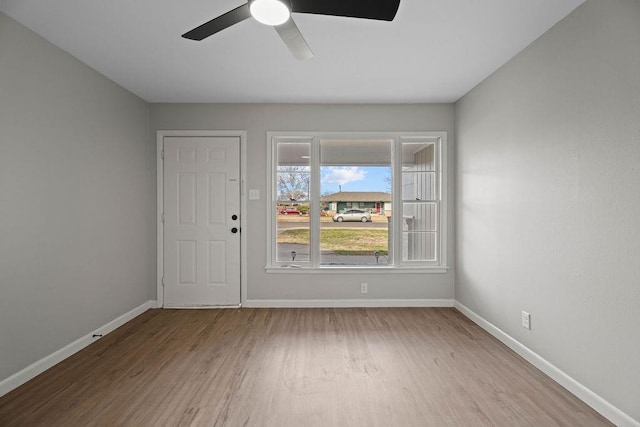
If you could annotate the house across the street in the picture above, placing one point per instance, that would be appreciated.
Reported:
(376, 202)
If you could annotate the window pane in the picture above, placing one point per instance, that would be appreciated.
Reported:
(419, 186)
(292, 229)
(419, 156)
(419, 171)
(292, 202)
(419, 227)
(420, 216)
(293, 173)
(419, 246)
(355, 188)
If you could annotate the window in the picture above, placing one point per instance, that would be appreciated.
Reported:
(374, 200)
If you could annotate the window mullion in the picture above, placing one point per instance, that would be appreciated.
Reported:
(396, 220)
(443, 199)
(314, 208)
(273, 228)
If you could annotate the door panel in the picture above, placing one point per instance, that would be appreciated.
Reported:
(201, 195)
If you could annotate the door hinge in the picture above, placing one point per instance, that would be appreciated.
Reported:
(162, 154)
(163, 281)
(162, 217)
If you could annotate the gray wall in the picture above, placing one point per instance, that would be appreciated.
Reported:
(257, 120)
(75, 244)
(548, 198)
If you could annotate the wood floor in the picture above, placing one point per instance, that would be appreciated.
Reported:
(296, 367)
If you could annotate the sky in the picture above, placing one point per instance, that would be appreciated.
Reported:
(354, 178)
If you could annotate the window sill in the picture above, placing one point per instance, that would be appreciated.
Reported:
(288, 269)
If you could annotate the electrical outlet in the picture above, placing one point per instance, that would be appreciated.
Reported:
(526, 320)
(364, 288)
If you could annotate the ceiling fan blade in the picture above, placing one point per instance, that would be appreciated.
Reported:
(292, 37)
(230, 18)
(383, 10)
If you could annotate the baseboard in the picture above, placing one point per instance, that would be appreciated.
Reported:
(35, 369)
(346, 303)
(605, 408)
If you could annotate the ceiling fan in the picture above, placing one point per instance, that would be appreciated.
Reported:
(277, 13)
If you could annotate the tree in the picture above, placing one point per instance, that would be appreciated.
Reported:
(388, 182)
(293, 183)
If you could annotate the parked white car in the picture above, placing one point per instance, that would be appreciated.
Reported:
(352, 215)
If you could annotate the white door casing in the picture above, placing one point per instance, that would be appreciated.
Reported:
(201, 224)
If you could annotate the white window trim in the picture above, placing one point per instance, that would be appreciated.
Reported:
(314, 267)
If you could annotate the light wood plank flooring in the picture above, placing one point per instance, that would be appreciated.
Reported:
(296, 367)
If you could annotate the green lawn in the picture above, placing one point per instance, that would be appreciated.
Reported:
(342, 241)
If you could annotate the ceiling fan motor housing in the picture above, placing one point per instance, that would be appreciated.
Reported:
(270, 12)
(285, 2)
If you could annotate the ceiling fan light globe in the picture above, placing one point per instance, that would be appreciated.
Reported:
(269, 12)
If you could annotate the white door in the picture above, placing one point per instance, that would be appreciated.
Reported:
(201, 221)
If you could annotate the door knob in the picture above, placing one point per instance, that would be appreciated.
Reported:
(234, 230)
(234, 217)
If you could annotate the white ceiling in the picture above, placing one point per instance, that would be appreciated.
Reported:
(434, 50)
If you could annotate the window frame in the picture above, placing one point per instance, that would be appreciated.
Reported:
(439, 138)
